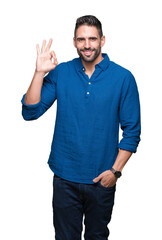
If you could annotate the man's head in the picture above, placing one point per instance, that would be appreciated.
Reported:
(88, 38)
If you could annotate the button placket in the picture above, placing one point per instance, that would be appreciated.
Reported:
(89, 83)
(90, 80)
(88, 92)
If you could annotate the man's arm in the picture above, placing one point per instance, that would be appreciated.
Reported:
(122, 158)
(108, 178)
(129, 116)
(34, 91)
(41, 92)
(44, 64)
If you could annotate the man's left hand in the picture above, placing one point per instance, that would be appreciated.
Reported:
(107, 178)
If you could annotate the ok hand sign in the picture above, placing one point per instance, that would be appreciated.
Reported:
(46, 60)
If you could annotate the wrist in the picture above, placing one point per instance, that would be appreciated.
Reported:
(117, 174)
(39, 73)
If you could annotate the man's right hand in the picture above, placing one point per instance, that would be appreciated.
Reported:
(46, 60)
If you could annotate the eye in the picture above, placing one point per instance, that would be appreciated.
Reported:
(93, 38)
(80, 39)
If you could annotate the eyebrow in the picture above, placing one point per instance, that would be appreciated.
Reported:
(82, 38)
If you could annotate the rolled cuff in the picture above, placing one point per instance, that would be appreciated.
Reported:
(29, 105)
(128, 147)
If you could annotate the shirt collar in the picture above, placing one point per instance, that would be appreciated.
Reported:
(103, 64)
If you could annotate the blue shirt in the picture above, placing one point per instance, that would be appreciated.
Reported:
(89, 112)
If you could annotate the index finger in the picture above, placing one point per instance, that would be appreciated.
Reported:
(49, 45)
(38, 49)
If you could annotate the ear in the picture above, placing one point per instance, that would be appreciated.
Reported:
(74, 42)
(102, 41)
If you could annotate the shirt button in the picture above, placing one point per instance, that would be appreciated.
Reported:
(87, 92)
(89, 82)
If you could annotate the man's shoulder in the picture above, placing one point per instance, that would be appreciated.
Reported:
(118, 69)
(122, 74)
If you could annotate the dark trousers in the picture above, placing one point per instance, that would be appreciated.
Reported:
(72, 200)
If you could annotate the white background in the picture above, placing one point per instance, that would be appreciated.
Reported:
(133, 40)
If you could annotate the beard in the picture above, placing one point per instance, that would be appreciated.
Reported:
(89, 58)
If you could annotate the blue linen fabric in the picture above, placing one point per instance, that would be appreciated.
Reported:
(89, 113)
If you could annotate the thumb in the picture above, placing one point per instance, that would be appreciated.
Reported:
(97, 178)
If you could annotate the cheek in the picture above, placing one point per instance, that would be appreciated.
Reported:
(96, 45)
(79, 46)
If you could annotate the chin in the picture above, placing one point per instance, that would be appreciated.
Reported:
(88, 59)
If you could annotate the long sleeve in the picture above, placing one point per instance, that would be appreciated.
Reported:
(129, 115)
(48, 96)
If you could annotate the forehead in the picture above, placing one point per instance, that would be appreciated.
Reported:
(86, 31)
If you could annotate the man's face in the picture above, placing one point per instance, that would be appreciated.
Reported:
(88, 43)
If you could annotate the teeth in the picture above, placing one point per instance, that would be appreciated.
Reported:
(87, 52)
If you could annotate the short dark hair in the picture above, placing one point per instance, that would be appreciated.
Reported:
(89, 20)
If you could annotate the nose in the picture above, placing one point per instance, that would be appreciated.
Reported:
(87, 44)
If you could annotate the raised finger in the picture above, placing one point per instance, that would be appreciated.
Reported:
(49, 45)
(38, 49)
(43, 46)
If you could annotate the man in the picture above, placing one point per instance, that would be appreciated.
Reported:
(94, 95)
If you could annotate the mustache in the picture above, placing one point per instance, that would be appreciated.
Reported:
(87, 49)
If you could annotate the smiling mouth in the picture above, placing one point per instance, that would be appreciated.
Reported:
(87, 52)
